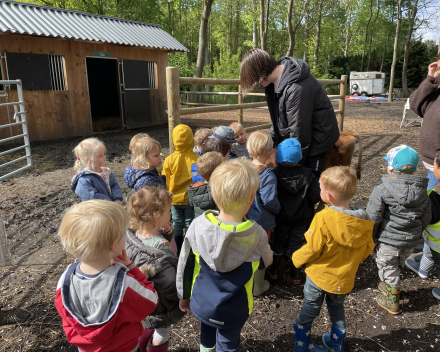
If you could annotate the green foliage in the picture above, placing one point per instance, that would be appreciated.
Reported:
(227, 67)
(186, 68)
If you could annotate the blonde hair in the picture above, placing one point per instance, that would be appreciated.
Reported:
(340, 181)
(236, 126)
(140, 151)
(89, 228)
(207, 163)
(201, 136)
(259, 144)
(147, 205)
(88, 148)
(135, 139)
(402, 170)
(233, 183)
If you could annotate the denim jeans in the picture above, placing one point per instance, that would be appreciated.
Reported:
(182, 215)
(224, 339)
(288, 237)
(313, 299)
(432, 180)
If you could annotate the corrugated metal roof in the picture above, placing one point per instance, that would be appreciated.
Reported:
(30, 19)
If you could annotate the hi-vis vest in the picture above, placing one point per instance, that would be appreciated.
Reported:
(431, 234)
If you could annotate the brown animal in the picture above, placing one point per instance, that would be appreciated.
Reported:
(340, 154)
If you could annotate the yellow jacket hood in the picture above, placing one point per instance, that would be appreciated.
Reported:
(336, 244)
(183, 139)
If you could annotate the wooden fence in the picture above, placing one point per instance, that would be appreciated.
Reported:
(173, 97)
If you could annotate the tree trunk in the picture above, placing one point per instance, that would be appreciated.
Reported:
(306, 35)
(411, 18)
(371, 36)
(366, 34)
(396, 43)
(237, 26)
(230, 28)
(318, 36)
(290, 29)
(169, 18)
(386, 42)
(264, 23)
(206, 11)
(254, 26)
(347, 30)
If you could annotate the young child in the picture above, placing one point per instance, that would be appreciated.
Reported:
(176, 169)
(298, 192)
(266, 204)
(220, 256)
(200, 138)
(93, 180)
(145, 158)
(401, 210)
(226, 133)
(239, 147)
(135, 139)
(338, 240)
(215, 144)
(150, 209)
(199, 194)
(102, 305)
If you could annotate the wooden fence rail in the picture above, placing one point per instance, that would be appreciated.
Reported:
(173, 96)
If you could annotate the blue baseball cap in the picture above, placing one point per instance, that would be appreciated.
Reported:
(401, 156)
(224, 132)
(289, 152)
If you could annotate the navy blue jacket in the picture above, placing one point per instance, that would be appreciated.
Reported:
(88, 185)
(137, 178)
(266, 203)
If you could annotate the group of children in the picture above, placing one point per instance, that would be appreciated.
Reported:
(195, 237)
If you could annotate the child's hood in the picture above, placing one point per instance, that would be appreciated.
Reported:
(132, 175)
(223, 250)
(293, 180)
(183, 139)
(106, 288)
(79, 175)
(349, 228)
(407, 190)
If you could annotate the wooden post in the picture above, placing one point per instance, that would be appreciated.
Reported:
(342, 92)
(173, 90)
(240, 101)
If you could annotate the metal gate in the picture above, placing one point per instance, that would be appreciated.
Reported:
(138, 79)
(20, 119)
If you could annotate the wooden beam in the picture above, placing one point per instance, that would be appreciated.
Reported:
(341, 111)
(209, 81)
(227, 107)
(210, 93)
(259, 127)
(240, 101)
(173, 98)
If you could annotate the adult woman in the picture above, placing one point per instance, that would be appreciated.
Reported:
(426, 103)
(298, 105)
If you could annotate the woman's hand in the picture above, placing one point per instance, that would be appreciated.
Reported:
(433, 69)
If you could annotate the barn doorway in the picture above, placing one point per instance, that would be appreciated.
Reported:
(104, 93)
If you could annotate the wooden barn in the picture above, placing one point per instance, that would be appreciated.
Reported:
(81, 72)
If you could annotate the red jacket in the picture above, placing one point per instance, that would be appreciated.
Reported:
(126, 301)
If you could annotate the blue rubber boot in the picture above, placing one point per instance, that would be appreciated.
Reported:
(335, 340)
(304, 342)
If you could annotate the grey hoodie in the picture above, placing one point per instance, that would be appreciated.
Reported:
(401, 210)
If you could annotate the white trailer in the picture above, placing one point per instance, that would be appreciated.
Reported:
(367, 83)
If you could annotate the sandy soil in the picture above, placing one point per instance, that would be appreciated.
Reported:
(33, 204)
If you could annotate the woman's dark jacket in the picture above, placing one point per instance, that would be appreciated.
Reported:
(299, 108)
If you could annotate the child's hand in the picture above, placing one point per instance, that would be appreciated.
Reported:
(167, 229)
(123, 258)
(184, 305)
(437, 188)
(432, 69)
(118, 201)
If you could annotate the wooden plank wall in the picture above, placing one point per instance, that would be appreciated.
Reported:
(61, 114)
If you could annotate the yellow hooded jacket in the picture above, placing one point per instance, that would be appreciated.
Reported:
(336, 244)
(177, 166)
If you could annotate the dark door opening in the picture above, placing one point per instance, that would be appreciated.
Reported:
(104, 93)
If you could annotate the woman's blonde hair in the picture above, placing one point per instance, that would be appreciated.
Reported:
(88, 148)
(89, 228)
(341, 181)
(201, 136)
(147, 205)
(140, 151)
(233, 183)
(259, 144)
(135, 139)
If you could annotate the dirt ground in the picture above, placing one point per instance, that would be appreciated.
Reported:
(33, 205)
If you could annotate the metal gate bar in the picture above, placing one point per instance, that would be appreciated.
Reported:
(20, 118)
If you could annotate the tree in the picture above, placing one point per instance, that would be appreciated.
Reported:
(396, 43)
(264, 23)
(412, 12)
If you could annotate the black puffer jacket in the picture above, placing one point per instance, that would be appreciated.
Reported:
(161, 271)
(298, 192)
(299, 108)
(200, 198)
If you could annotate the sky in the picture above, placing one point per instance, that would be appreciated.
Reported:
(433, 12)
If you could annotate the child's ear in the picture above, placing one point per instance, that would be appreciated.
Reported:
(252, 198)
(114, 245)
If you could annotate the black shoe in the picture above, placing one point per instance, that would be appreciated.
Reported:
(272, 270)
(294, 274)
(179, 242)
